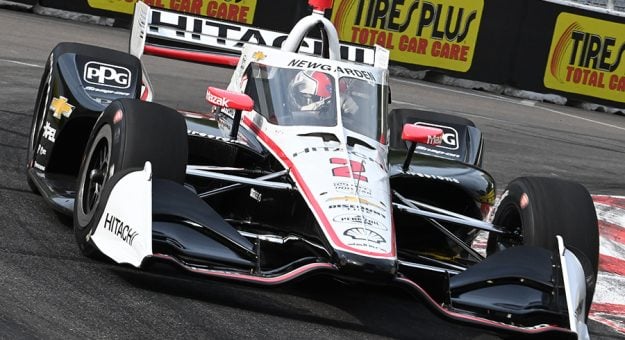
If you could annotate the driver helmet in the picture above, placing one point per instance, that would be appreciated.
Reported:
(310, 91)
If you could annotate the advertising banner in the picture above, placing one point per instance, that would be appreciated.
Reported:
(232, 10)
(436, 33)
(585, 57)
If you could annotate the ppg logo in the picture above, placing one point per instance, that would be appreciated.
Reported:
(450, 135)
(107, 75)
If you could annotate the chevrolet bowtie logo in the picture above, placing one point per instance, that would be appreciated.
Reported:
(61, 107)
(258, 56)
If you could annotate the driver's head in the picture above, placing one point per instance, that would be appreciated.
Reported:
(310, 91)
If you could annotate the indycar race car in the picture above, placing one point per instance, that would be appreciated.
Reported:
(299, 169)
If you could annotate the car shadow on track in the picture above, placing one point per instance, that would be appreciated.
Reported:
(318, 301)
(386, 312)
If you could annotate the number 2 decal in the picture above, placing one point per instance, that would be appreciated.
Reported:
(357, 169)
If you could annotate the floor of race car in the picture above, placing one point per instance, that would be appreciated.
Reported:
(49, 290)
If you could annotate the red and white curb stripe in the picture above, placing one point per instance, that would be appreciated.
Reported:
(609, 301)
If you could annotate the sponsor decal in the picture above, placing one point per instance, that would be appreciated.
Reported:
(215, 100)
(325, 67)
(49, 132)
(231, 37)
(585, 57)
(338, 149)
(440, 178)
(449, 139)
(119, 228)
(102, 101)
(61, 107)
(41, 150)
(39, 166)
(315, 149)
(439, 33)
(257, 56)
(437, 152)
(434, 140)
(363, 234)
(231, 10)
(105, 91)
(350, 188)
(205, 135)
(256, 195)
(356, 207)
(355, 73)
(360, 220)
(354, 199)
(107, 75)
(354, 170)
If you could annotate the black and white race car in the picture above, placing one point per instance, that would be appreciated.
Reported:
(299, 169)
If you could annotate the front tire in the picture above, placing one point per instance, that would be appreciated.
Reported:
(536, 209)
(127, 134)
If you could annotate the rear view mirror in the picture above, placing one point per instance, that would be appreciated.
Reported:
(419, 134)
(230, 100)
(422, 134)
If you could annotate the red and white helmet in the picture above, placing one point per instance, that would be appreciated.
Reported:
(310, 91)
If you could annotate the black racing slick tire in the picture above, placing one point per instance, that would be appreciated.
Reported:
(536, 209)
(127, 134)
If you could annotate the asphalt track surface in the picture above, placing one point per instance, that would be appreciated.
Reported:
(49, 290)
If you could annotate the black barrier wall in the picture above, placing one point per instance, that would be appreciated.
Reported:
(536, 45)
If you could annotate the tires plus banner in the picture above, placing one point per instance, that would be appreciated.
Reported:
(232, 10)
(586, 57)
(437, 33)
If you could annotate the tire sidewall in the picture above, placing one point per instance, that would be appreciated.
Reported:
(104, 129)
(512, 203)
(136, 132)
(82, 219)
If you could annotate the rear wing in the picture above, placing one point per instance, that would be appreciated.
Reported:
(211, 41)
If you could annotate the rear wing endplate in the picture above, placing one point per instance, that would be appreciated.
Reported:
(211, 41)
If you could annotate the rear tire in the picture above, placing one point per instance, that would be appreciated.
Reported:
(536, 209)
(127, 134)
